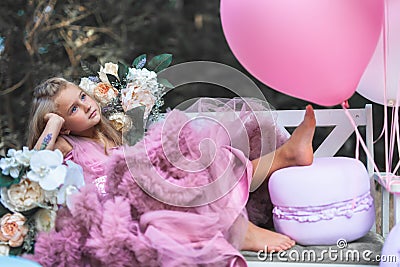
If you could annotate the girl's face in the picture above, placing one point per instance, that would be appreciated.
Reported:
(80, 112)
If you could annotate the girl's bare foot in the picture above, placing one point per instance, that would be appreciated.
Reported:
(258, 238)
(298, 151)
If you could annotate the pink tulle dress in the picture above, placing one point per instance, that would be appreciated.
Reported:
(176, 198)
(91, 156)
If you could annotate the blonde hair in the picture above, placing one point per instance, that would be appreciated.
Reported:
(43, 103)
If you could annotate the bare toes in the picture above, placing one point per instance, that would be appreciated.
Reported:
(258, 238)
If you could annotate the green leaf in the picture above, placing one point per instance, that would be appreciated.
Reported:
(6, 181)
(3, 210)
(136, 132)
(165, 82)
(122, 71)
(89, 69)
(16, 251)
(113, 81)
(140, 61)
(29, 213)
(160, 62)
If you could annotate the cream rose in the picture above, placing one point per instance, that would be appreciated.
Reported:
(12, 229)
(120, 121)
(134, 97)
(45, 220)
(23, 196)
(109, 68)
(104, 93)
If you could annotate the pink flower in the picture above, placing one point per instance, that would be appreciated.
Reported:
(12, 229)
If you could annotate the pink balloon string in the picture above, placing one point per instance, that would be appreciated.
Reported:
(387, 179)
(361, 142)
(380, 135)
(385, 110)
(392, 137)
(395, 126)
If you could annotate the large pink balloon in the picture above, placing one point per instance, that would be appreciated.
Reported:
(372, 83)
(315, 50)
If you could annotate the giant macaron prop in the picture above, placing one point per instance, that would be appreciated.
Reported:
(324, 202)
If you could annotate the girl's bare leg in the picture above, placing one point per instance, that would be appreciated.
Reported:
(297, 151)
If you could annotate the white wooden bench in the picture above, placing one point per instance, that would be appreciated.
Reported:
(342, 131)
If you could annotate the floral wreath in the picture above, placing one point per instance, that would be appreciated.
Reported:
(124, 91)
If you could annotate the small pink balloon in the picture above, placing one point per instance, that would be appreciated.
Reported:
(372, 84)
(315, 50)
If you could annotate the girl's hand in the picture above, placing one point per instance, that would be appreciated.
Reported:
(54, 118)
(54, 126)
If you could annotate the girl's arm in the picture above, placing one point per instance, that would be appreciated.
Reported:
(47, 139)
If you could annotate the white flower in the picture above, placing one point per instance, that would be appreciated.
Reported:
(23, 196)
(15, 161)
(109, 68)
(45, 220)
(11, 152)
(134, 97)
(73, 181)
(141, 90)
(10, 166)
(47, 169)
(4, 250)
(23, 156)
(87, 85)
(143, 79)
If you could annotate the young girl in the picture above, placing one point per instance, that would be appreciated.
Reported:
(64, 117)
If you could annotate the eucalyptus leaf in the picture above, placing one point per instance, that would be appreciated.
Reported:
(113, 81)
(165, 82)
(122, 71)
(160, 62)
(136, 132)
(22, 172)
(6, 181)
(140, 61)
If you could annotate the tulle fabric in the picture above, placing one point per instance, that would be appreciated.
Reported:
(179, 195)
(251, 124)
(90, 155)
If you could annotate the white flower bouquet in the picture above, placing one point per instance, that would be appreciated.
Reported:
(33, 184)
(120, 88)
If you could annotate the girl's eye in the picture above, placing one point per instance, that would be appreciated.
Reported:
(83, 97)
(74, 109)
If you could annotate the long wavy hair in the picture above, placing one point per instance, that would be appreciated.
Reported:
(44, 102)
